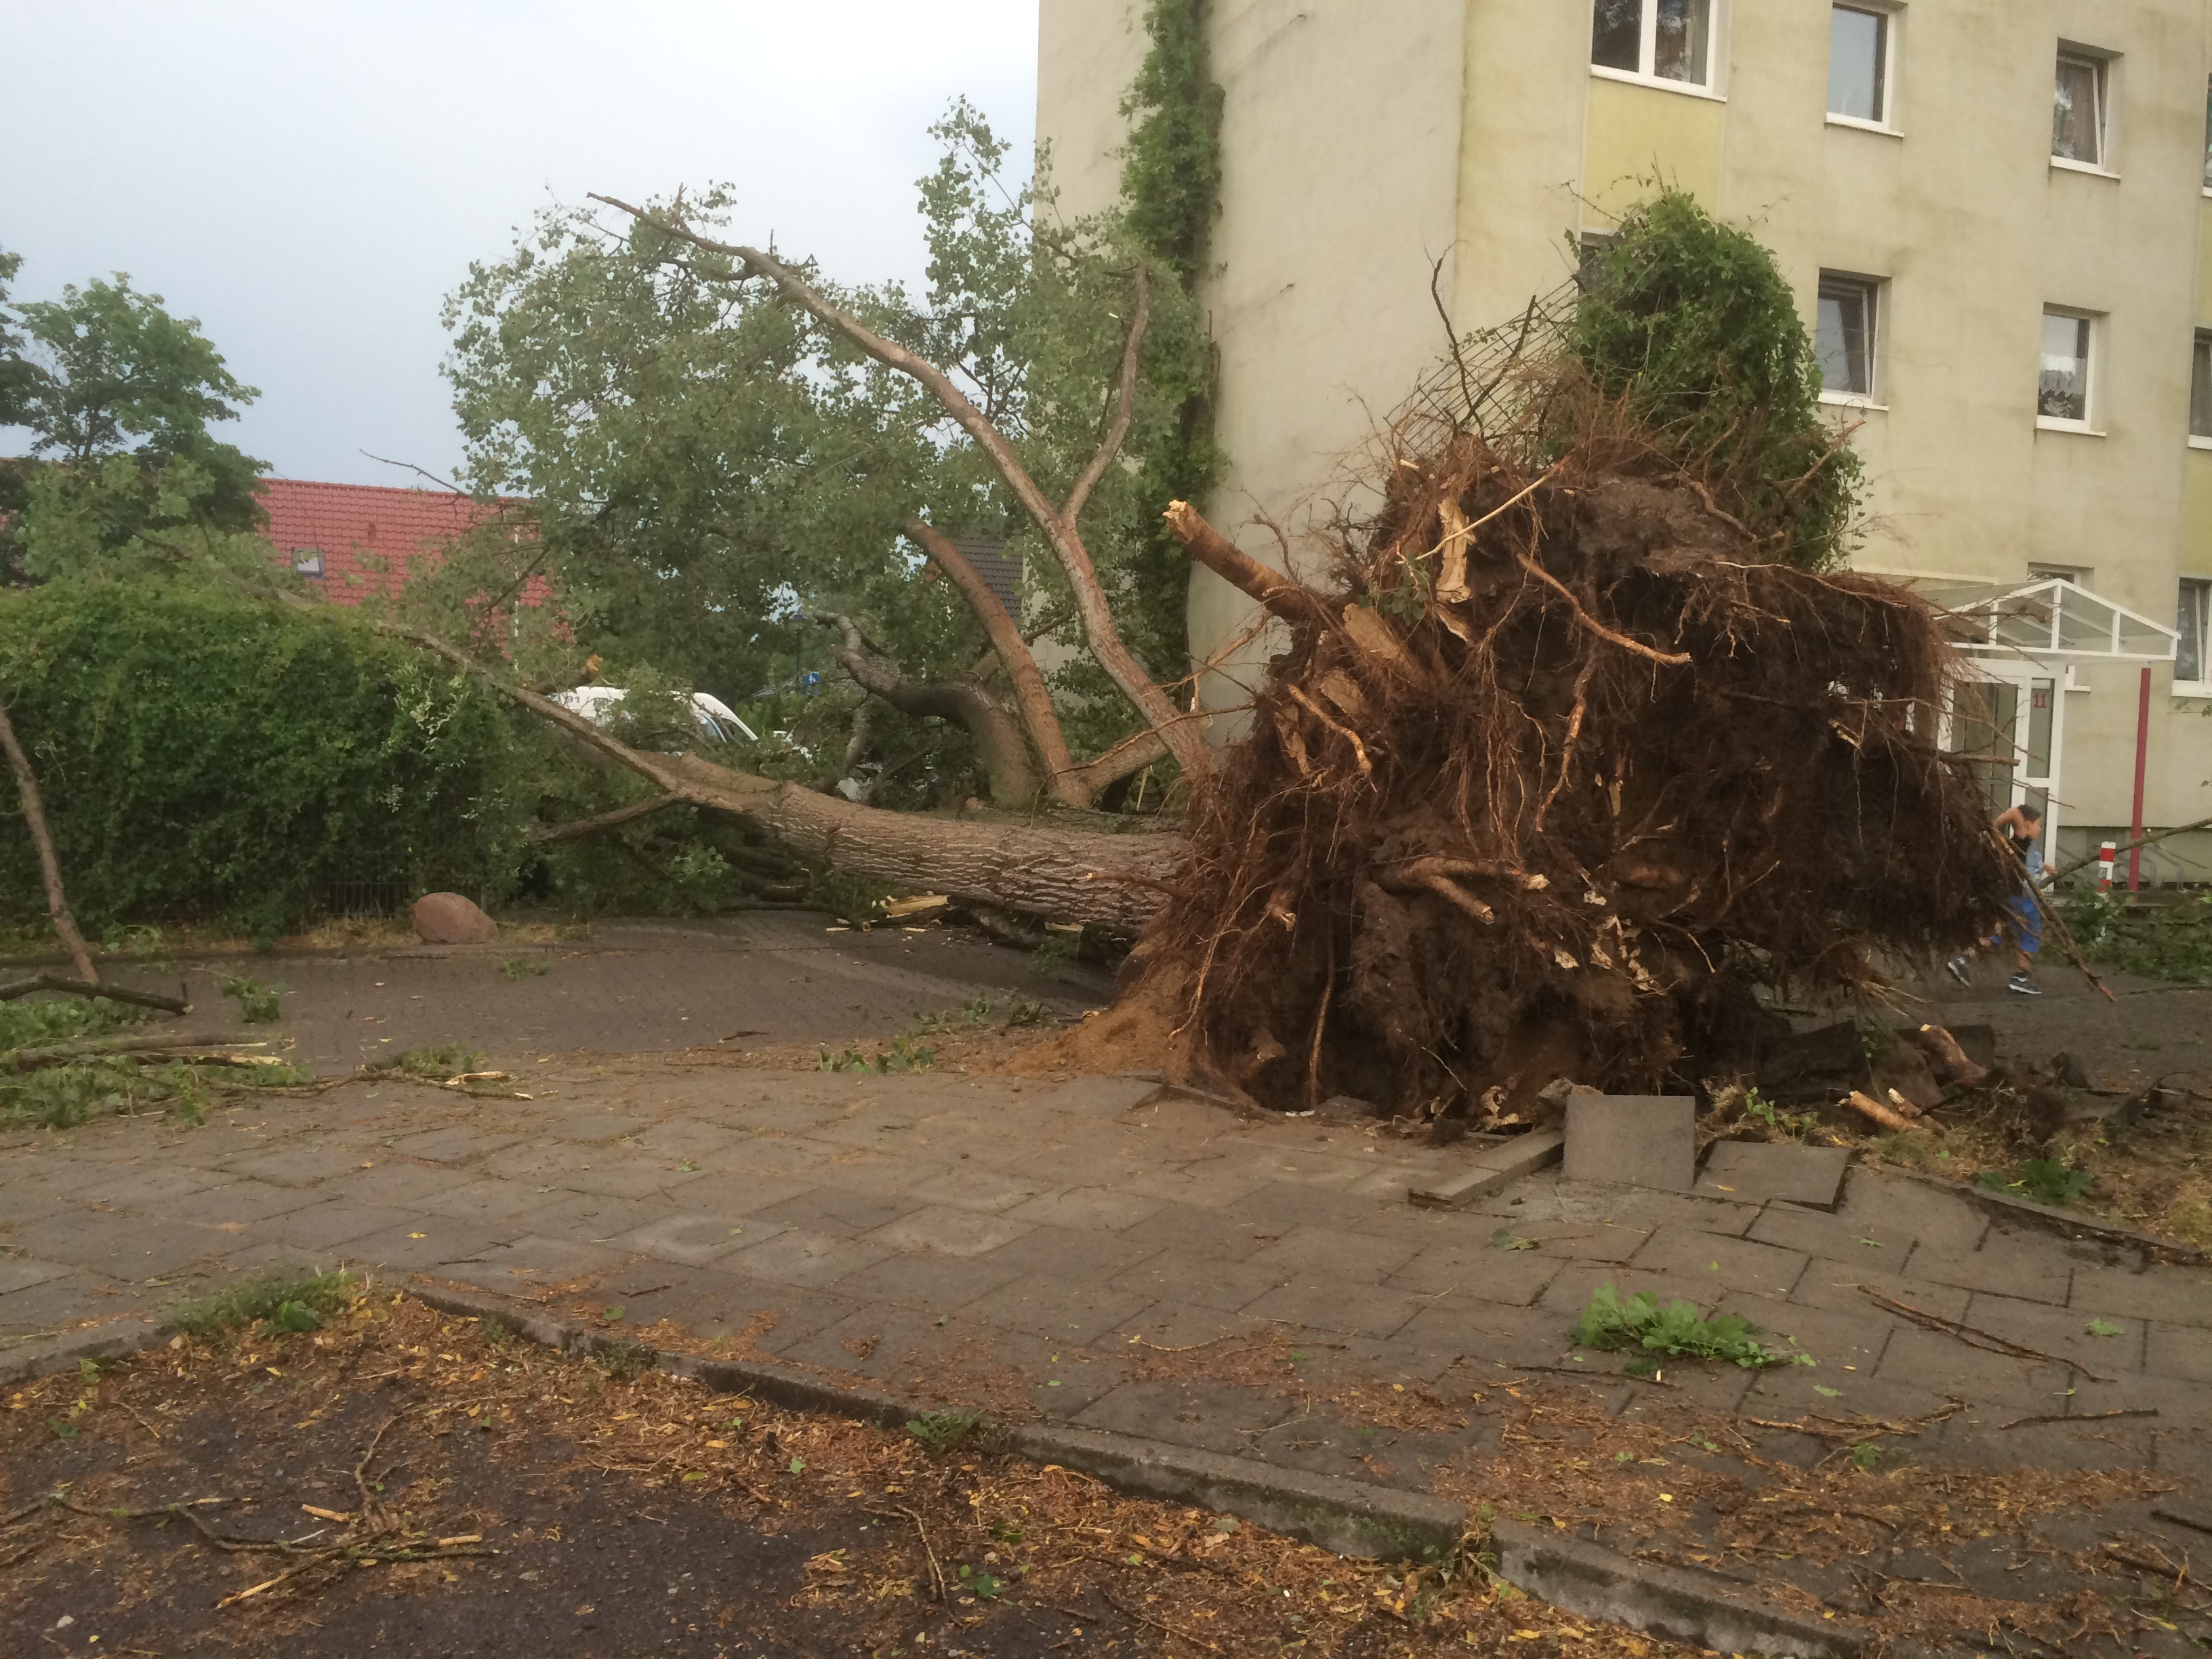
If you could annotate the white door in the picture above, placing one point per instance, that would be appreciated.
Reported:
(2008, 720)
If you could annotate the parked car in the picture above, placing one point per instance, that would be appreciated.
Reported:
(601, 705)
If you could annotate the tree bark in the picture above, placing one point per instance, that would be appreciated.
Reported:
(998, 739)
(1286, 596)
(35, 817)
(1069, 875)
(1181, 737)
(1031, 697)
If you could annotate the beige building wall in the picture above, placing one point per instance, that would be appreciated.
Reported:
(1357, 154)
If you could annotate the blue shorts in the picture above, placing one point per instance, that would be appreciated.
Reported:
(2027, 926)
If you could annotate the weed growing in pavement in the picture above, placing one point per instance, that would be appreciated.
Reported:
(435, 1064)
(621, 1361)
(516, 967)
(283, 1301)
(1608, 1323)
(1786, 1126)
(900, 1056)
(256, 998)
(2045, 1180)
(944, 1432)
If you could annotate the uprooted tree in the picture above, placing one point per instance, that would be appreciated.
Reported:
(1578, 738)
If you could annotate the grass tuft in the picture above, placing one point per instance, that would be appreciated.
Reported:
(284, 1302)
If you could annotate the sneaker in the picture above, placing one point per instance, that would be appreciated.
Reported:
(2021, 983)
(1957, 969)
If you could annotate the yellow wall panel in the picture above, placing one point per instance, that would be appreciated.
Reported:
(2196, 524)
(1639, 134)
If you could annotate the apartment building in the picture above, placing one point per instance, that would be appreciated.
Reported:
(1998, 215)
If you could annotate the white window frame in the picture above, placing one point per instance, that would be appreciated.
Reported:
(307, 562)
(2107, 64)
(1877, 296)
(2200, 346)
(2200, 687)
(1647, 53)
(2091, 426)
(1892, 16)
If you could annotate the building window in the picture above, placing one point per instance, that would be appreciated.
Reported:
(2077, 110)
(1843, 336)
(2062, 389)
(1658, 40)
(2200, 387)
(1858, 65)
(306, 560)
(2195, 610)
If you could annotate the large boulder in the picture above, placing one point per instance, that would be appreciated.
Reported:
(449, 919)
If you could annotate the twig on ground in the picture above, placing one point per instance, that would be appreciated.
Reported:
(93, 987)
(2092, 1417)
(1136, 1616)
(1976, 1337)
(936, 1572)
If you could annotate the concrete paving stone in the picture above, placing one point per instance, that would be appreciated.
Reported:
(1199, 1281)
(969, 1185)
(538, 1162)
(299, 1164)
(594, 1217)
(395, 1181)
(258, 1258)
(1968, 1444)
(785, 1155)
(2179, 1350)
(1836, 1341)
(127, 1247)
(2029, 1276)
(2062, 1332)
(1058, 1309)
(622, 1174)
(938, 1229)
(1708, 1259)
(1632, 1140)
(420, 1243)
(2183, 1404)
(839, 1210)
(1099, 1097)
(1777, 1172)
(21, 1204)
(879, 1172)
(1089, 1209)
(532, 1257)
(1297, 1167)
(649, 1291)
(687, 1140)
(1487, 1334)
(456, 1143)
(1336, 1304)
(237, 1204)
(769, 1116)
(594, 1124)
(1882, 1206)
(1596, 1241)
(736, 1195)
(1829, 1235)
(489, 1200)
(1197, 1231)
(1064, 1253)
(769, 1317)
(1480, 1270)
(1179, 1325)
(1991, 1383)
(63, 1303)
(885, 1344)
(873, 1128)
(1206, 1415)
(696, 1240)
(939, 1284)
(2175, 1296)
(1275, 1208)
(1315, 1251)
(332, 1224)
(1847, 1287)
(148, 1188)
(1788, 1394)
(801, 1255)
(1547, 1198)
(19, 1273)
(1210, 1183)
(1700, 1384)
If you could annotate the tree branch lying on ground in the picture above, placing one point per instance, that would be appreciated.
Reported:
(34, 820)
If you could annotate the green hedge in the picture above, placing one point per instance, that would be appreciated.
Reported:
(206, 757)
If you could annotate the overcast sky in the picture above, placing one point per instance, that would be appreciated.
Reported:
(310, 180)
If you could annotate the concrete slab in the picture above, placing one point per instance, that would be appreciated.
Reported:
(1757, 1171)
(1490, 1168)
(1632, 1140)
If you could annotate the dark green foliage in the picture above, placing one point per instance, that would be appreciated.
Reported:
(37, 1022)
(2159, 941)
(1690, 326)
(207, 756)
(2044, 1180)
(256, 998)
(1609, 1322)
(1171, 167)
(287, 1302)
(437, 1064)
(945, 1432)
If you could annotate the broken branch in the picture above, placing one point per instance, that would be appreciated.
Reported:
(93, 987)
(1585, 620)
(34, 819)
(1287, 597)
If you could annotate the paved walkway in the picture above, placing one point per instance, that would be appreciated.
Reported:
(1037, 1239)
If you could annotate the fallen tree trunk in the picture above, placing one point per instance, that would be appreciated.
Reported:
(138, 1047)
(34, 818)
(93, 987)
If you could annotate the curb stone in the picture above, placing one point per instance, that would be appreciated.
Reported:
(2005, 1208)
(1672, 1602)
(1345, 1517)
(61, 1353)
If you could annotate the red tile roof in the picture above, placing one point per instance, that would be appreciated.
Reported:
(368, 535)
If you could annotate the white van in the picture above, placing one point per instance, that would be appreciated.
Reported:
(600, 704)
